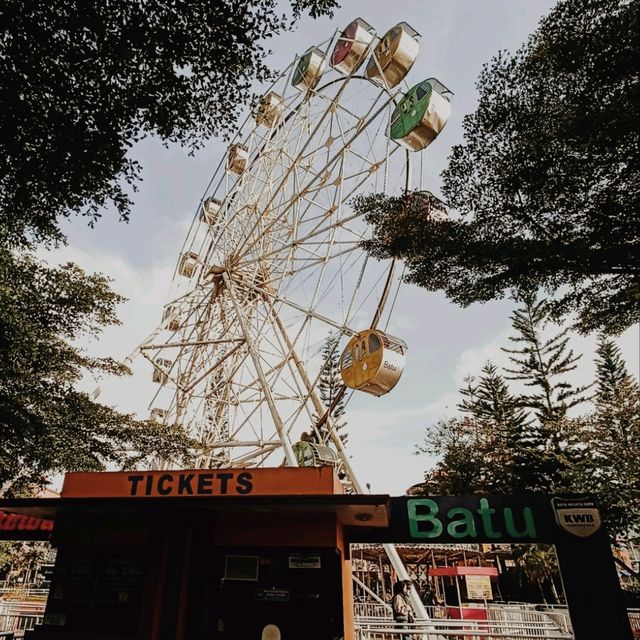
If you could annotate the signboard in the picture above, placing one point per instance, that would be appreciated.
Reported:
(241, 568)
(478, 587)
(304, 562)
(273, 595)
(578, 516)
(571, 523)
(203, 482)
(104, 591)
(15, 526)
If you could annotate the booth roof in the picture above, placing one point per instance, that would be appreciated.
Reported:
(351, 510)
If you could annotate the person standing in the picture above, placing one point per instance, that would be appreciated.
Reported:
(402, 611)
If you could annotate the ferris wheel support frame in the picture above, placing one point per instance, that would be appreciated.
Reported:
(277, 420)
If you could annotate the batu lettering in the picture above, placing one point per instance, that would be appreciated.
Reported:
(426, 521)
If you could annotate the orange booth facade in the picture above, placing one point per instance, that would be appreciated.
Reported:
(170, 555)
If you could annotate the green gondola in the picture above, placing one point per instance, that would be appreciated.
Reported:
(309, 69)
(421, 114)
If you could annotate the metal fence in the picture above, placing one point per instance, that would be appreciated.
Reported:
(375, 629)
(20, 615)
(634, 619)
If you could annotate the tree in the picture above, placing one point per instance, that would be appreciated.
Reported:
(330, 389)
(610, 467)
(513, 443)
(105, 75)
(547, 181)
(543, 364)
(101, 78)
(46, 425)
(481, 450)
(538, 563)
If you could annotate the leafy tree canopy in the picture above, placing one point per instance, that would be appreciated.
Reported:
(46, 425)
(81, 82)
(547, 180)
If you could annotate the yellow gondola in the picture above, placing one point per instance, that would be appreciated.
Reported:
(160, 369)
(270, 109)
(395, 54)
(170, 318)
(373, 361)
(158, 415)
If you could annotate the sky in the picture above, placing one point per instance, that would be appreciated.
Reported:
(446, 342)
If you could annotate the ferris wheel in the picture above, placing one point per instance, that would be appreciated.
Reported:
(273, 264)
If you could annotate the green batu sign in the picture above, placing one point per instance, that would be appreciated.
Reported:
(426, 521)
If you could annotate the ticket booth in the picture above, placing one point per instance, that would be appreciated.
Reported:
(220, 554)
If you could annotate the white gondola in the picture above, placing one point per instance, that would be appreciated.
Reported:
(394, 56)
(210, 210)
(309, 69)
(188, 264)
(373, 361)
(270, 109)
(170, 318)
(352, 47)
(160, 370)
(237, 159)
(158, 415)
(312, 454)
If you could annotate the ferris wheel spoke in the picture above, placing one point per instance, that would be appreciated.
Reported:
(336, 156)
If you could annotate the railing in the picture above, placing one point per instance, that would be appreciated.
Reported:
(20, 615)
(634, 620)
(517, 613)
(375, 629)
(23, 593)
(372, 610)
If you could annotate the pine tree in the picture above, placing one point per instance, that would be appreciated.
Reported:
(329, 387)
(503, 423)
(610, 469)
(543, 365)
(617, 392)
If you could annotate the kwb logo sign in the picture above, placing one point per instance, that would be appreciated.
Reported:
(578, 516)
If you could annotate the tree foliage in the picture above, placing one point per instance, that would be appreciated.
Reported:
(329, 387)
(82, 82)
(547, 180)
(46, 425)
(610, 467)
